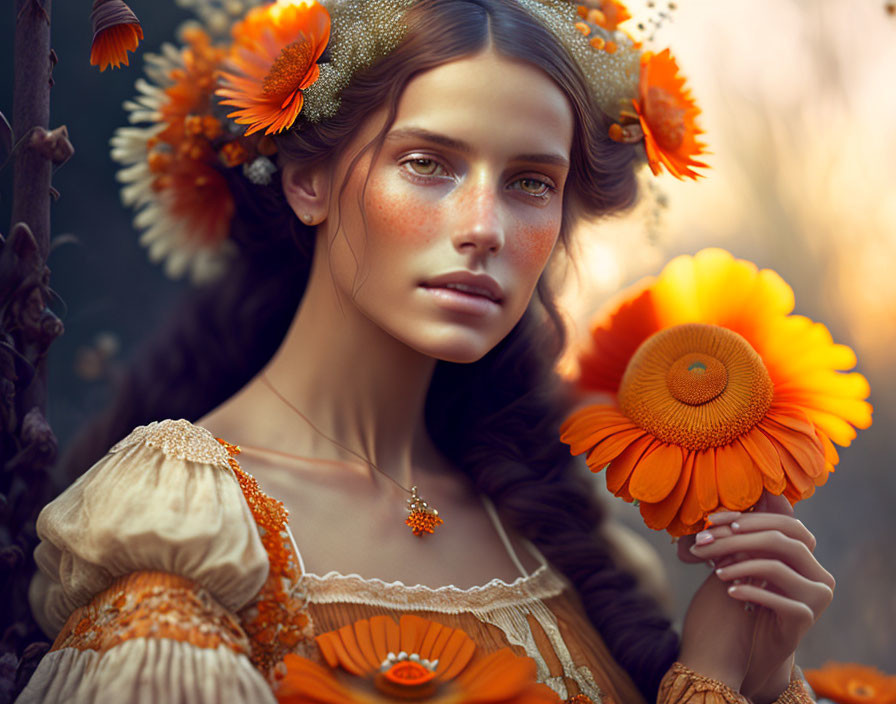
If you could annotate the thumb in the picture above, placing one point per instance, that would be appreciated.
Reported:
(770, 503)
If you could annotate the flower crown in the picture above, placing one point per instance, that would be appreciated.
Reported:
(247, 71)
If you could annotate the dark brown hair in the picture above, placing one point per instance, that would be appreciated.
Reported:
(496, 418)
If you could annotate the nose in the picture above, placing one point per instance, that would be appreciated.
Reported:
(480, 229)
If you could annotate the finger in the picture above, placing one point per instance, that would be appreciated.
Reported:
(705, 537)
(788, 525)
(714, 524)
(770, 503)
(722, 517)
(816, 595)
(685, 543)
(787, 609)
(770, 544)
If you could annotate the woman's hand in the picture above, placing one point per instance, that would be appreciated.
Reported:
(763, 558)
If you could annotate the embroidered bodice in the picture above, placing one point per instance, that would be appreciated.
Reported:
(165, 574)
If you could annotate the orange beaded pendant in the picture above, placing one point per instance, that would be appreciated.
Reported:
(422, 518)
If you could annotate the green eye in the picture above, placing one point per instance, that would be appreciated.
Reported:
(533, 186)
(424, 167)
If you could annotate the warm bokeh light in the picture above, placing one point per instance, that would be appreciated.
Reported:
(799, 116)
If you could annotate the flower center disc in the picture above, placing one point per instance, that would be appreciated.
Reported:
(696, 385)
(288, 70)
(666, 118)
(696, 378)
(861, 690)
(406, 679)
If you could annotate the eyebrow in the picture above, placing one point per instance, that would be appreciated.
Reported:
(464, 148)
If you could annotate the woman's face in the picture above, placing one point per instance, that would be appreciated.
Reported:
(462, 208)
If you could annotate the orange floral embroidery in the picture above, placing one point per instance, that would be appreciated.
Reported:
(848, 683)
(277, 621)
(720, 393)
(414, 659)
(151, 604)
(584, 699)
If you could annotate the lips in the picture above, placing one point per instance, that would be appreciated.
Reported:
(468, 283)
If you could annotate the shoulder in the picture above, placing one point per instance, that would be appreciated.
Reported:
(167, 498)
(176, 440)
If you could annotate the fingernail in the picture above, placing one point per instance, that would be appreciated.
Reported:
(720, 571)
(711, 563)
(704, 537)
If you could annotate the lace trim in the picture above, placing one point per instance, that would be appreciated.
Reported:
(179, 439)
(334, 587)
(513, 623)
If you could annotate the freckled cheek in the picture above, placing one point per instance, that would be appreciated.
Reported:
(400, 217)
(532, 245)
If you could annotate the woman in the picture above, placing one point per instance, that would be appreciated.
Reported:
(401, 344)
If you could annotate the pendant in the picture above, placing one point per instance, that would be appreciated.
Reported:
(422, 518)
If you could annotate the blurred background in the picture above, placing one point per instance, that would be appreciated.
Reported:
(799, 109)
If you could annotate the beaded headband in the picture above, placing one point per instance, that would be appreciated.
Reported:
(248, 70)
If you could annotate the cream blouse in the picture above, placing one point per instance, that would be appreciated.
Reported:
(163, 577)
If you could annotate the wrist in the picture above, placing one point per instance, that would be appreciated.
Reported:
(771, 690)
(731, 677)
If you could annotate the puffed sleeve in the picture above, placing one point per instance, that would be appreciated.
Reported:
(681, 685)
(142, 563)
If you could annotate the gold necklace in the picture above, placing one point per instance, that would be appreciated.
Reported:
(422, 518)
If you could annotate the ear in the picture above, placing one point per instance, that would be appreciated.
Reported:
(307, 191)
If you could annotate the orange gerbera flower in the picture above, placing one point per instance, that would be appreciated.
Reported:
(668, 117)
(720, 393)
(275, 53)
(414, 659)
(116, 31)
(847, 683)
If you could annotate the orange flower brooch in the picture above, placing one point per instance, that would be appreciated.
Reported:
(376, 660)
(720, 393)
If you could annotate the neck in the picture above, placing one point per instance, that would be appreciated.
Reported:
(356, 384)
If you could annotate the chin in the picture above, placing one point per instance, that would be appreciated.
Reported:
(458, 348)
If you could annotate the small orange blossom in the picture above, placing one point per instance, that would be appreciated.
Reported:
(116, 31)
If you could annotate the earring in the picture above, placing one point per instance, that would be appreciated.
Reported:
(307, 218)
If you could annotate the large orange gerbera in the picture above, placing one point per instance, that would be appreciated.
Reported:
(846, 683)
(275, 53)
(720, 393)
(668, 116)
(414, 659)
